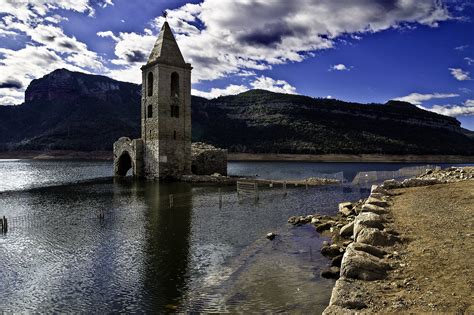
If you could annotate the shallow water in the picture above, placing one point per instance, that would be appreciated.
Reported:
(108, 245)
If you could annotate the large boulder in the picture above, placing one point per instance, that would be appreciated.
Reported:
(357, 264)
(368, 207)
(347, 230)
(346, 208)
(369, 249)
(348, 294)
(367, 220)
(376, 237)
(391, 184)
(377, 202)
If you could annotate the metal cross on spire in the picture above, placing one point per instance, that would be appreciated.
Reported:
(165, 14)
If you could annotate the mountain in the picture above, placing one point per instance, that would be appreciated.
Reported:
(75, 111)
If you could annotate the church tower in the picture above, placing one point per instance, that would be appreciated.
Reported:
(166, 109)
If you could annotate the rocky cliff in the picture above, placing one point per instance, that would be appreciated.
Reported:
(75, 111)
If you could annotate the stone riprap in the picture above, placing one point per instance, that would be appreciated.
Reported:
(367, 239)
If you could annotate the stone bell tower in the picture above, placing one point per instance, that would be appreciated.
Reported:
(166, 110)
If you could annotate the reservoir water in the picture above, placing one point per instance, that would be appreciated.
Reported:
(82, 241)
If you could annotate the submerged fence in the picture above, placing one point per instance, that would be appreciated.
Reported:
(405, 172)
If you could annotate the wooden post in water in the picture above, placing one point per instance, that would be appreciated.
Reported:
(1, 224)
(171, 201)
(284, 188)
(256, 192)
(220, 198)
(5, 225)
(306, 186)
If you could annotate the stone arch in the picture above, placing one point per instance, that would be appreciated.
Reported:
(174, 84)
(150, 84)
(123, 164)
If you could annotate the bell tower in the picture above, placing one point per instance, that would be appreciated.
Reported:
(166, 110)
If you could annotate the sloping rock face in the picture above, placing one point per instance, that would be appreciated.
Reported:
(208, 160)
(62, 85)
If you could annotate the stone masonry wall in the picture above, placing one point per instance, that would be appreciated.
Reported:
(207, 159)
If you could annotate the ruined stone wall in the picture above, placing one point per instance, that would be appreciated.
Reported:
(134, 149)
(207, 159)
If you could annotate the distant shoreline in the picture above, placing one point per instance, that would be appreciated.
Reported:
(352, 158)
(326, 158)
(58, 155)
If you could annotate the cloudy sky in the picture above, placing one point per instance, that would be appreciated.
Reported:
(421, 51)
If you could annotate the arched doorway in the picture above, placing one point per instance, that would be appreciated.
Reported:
(124, 164)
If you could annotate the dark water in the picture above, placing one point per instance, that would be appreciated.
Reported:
(108, 245)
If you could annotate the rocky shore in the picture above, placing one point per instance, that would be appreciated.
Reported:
(378, 247)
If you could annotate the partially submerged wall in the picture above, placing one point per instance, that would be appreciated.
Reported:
(208, 160)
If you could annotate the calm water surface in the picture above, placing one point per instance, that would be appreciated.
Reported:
(81, 241)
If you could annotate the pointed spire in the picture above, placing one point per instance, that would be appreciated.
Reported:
(166, 49)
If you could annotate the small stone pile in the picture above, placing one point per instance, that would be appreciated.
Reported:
(433, 177)
(451, 174)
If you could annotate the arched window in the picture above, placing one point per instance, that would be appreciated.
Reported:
(150, 111)
(150, 83)
(174, 84)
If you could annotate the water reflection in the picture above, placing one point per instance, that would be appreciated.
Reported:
(167, 243)
(144, 256)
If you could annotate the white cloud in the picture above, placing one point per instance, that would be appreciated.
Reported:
(215, 92)
(418, 99)
(26, 64)
(460, 74)
(339, 67)
(469, 61)
(47, 48)
(466, 109)
(247, 35)
(461, 48)
(108, 34)
(107, 3)
(262, 82)
(278, 86)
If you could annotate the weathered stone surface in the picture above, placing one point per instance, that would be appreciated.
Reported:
(347, 230)
(361, 265)
(331, 273)
(379, 189)
(345, 205)
(336, 261)
(348, 294)
(332, 250)
(368, 207)
(323, 227)
(369, 249)
(417, 182)
(347, 211)
(338, 310)
(376, 237)
(391, 184)
(378, 196)
(367, 220)
(207, 159)
(377, 202)
(128, 154)
(165, 113)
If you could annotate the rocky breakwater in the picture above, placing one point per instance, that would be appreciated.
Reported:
(365, 247)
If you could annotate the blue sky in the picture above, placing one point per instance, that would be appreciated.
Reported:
(420, 51)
